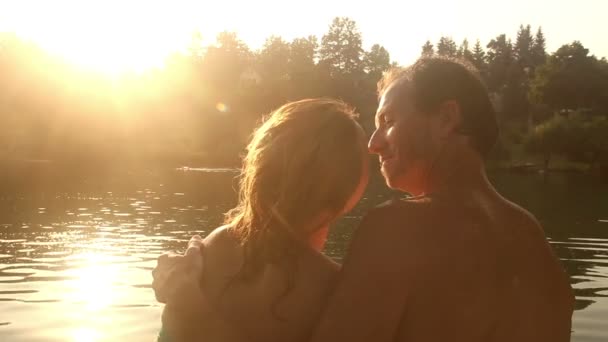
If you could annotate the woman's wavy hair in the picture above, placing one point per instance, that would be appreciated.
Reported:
(303, 162)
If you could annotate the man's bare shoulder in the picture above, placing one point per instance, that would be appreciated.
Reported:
(395, 229)
(402, 206)
(406, 216)
(523, 226)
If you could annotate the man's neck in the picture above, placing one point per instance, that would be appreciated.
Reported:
(457, 170)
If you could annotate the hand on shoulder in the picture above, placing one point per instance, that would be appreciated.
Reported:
(174, 270)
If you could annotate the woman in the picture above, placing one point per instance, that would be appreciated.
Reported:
(264, 276)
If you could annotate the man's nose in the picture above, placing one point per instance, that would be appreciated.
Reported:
(376, 143)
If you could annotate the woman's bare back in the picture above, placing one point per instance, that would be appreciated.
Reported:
(265, 307)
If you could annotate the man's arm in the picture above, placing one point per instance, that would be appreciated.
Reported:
(173, 271)
(369, 299)
(176, 282)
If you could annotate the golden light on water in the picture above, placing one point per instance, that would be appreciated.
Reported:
(92, 291)
(93, 288)
(85, 335)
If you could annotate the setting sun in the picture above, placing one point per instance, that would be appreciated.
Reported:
(110, 37)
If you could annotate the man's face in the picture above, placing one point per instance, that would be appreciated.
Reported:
(404, 140)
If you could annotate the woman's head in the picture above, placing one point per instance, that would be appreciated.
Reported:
(304, 167)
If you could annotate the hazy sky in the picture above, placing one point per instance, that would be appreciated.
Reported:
(401, 26)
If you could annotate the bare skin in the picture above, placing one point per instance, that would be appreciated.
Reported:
(456, 263)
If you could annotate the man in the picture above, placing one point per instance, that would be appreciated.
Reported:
(455, 262)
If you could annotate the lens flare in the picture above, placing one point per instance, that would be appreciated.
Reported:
(222, 107)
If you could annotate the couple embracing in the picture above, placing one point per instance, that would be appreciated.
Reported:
(455, 261)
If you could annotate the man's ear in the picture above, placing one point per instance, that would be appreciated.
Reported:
(450, 118)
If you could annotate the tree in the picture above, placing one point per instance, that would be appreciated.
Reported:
(446, 47)
(596, 141)
(478, 57)
(341, 49)
(376, 61)
(571, 80)
(550, 138)
(537, 51)
(302, 68)
(273, 60)
(507, 79)
(500, 59)
(428, 49)
(523, 47)
(574, 135)
(302, 56)
(195, 48)
(225, 62)
(464, 52)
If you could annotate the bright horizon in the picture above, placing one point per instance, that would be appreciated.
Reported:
(115, 36)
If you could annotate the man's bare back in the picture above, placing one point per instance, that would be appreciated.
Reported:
(459, 267)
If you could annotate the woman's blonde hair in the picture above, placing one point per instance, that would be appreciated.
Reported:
(304, 161)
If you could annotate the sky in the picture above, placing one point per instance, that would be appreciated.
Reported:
(97, 30)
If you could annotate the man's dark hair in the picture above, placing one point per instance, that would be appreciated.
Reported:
(434, 80)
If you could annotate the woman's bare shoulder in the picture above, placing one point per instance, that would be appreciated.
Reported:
(219, 234)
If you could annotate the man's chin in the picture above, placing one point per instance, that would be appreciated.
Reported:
(391, 181)
(394, 182)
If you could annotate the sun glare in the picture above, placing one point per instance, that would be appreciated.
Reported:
(111, 37)
(92, 288)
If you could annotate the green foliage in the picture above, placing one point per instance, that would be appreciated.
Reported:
(427, 49)
(551, 137)
(537, 51)
(341, 50)
(576, 135)
(464, 52)
(376, 61)
(447, 47)
(225, 62)
(302, 56)
(593, 140)
(500, 60)
(571, 79)
(523, 47)
(273, 59)
(302, 68)
(478, 57)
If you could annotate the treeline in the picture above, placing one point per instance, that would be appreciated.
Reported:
(201, 107)
(548, 104)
